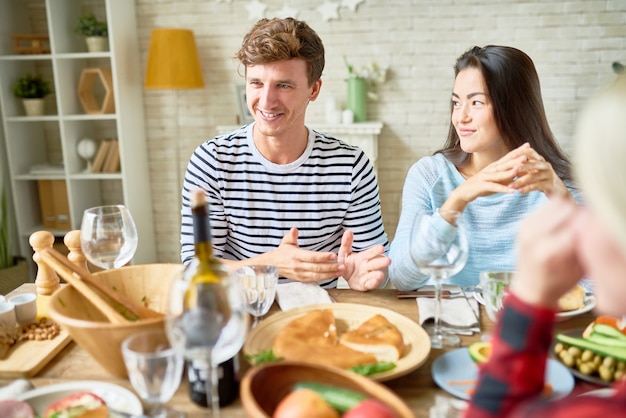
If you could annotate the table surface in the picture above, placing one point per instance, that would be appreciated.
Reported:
(417, 388)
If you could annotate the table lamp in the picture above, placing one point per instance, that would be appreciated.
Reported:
(173, 64)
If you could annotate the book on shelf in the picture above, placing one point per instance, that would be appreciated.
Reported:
(55, 208)
(112, 161)
(101, 155)
(107, 159)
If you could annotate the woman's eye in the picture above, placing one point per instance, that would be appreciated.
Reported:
(456, 103)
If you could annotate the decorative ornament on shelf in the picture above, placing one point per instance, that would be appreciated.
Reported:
(86, 149)
(329, 10)
(362, 84)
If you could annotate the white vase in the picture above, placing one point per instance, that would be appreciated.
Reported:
(97, 43)
(34, 107)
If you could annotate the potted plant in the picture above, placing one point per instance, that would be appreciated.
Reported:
(95, 32)
(32, 89)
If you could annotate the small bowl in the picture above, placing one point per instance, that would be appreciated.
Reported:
(264, 386)
(89, 328)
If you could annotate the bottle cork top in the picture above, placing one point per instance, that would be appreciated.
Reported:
(197, 198)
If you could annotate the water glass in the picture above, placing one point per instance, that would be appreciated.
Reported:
(154, 369)
(258, 283)
(494, 288)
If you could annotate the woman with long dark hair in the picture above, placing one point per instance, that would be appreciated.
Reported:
(499, 162)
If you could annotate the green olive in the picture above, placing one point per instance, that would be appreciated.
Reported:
(605, 373)
(558, 347)
(586, 368)
(567, 358)
(574, 351)
(619, 374)
(609, 362)
(621, 366)
(587, 355)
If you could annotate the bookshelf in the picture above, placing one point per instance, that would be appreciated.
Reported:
(40, 150)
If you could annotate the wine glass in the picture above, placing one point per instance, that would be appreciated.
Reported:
(108, 236)
(258, 284)
(154, 369)
(439, 258)
(207, 322)
(494, 287)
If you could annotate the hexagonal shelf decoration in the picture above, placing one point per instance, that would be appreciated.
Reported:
(86, 86)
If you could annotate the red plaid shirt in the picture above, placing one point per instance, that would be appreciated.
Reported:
(513, 378)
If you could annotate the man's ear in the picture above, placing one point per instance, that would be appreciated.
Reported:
(315, 90)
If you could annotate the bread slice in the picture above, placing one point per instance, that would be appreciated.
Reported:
(573, 299)
(313, 338)
(376, 336)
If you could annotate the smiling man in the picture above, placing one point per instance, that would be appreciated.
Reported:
(279, 192)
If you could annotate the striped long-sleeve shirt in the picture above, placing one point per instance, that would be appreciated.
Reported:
(253, 202)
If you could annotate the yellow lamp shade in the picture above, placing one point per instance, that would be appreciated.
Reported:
(173, 61)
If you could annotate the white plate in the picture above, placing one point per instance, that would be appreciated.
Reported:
(348, 316)
(590, 303)
(116, 397)
(457, 367)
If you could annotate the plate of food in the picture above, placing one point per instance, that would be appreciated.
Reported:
(344, 335)
(69, 394)
(456, 373)
(574, 302)
(594, 354)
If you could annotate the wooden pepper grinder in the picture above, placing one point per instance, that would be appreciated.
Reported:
(47, 280)
(72, 242)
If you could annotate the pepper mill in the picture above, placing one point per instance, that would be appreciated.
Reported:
(47, 280)
(72, 242)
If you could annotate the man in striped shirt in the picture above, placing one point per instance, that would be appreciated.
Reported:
(279, 192)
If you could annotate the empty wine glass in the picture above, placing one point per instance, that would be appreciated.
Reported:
(440, 259)
(108, 236)
(494, 286)
(258, 284)
(207, 323)
(154, 369)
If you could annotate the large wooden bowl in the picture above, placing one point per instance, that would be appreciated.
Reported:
(264, 386)
(149, 284)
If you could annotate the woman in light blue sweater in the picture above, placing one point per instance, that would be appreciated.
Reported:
(500, 162)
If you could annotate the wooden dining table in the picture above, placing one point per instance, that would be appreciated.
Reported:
(416, 388)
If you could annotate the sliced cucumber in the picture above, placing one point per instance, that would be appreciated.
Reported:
(339, 398)
(619, 353)
(603, 339)
(609, 331)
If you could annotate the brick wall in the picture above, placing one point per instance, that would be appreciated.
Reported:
(573, 44)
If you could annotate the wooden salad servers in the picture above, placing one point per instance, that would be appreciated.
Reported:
(117, 308)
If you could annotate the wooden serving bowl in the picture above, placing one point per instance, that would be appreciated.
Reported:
(148, 284)
(264, 386)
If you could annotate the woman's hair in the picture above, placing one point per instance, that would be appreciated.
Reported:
(277, 39)
(513, 86)
(599, 155)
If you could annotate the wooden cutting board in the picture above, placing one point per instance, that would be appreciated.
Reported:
(27, 358)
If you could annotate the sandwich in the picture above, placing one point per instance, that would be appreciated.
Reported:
(313, 338)
(573, 299)
(78, 405)
(376, 336)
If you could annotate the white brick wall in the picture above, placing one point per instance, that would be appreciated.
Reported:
(573, 44)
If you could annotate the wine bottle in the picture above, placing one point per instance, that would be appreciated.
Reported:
(207, 298)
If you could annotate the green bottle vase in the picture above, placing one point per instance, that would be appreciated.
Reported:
(357, 98)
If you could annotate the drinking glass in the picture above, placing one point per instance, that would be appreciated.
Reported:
(108, 236)
(207, 322)
(440, 259)
(258, 284)
(154, 369)
(494, 286)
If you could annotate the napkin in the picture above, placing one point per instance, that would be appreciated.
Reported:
(458, 313)
(295, 294)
